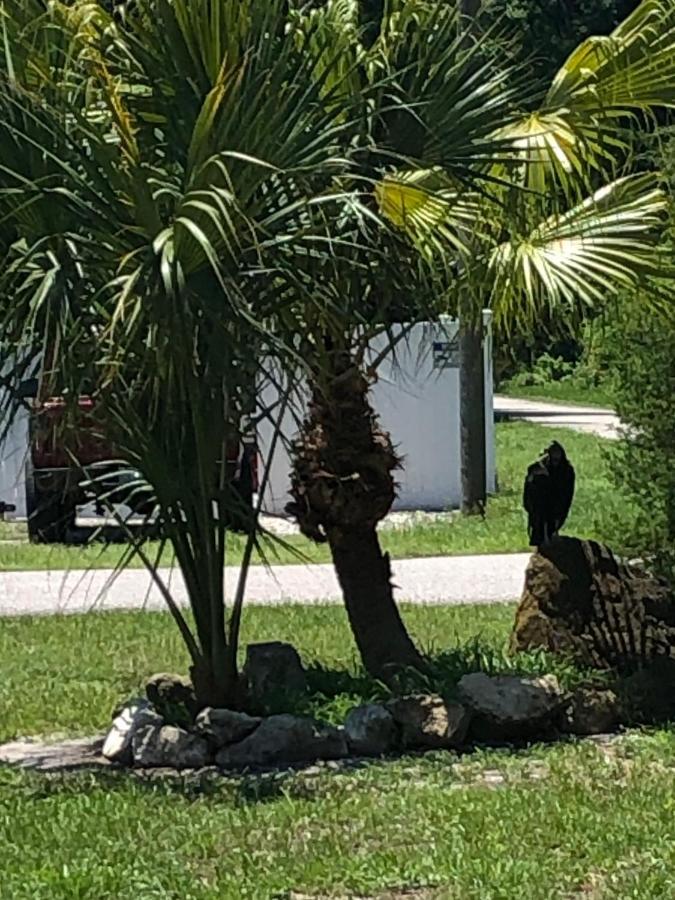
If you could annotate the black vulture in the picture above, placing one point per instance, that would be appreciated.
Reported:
(547, 494)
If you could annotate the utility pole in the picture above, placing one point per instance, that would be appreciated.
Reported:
(471, 358)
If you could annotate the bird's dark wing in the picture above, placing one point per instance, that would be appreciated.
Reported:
(535, 489)
(565, 494)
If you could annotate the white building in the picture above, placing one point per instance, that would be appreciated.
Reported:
(13, 454)
(417, 399)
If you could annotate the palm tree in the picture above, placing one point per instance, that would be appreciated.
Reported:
(421, 101)
(478, 207)
(160, 174)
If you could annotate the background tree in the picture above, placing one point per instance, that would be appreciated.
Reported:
(642, 352)
(636, 354)
(543, 247)
(542, 33)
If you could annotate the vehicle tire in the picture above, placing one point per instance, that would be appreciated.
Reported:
(240, 516)
(47, 514)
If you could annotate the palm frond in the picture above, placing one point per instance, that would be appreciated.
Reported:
(604, 85)
(631, 69)
(605, 244)
(436, 217)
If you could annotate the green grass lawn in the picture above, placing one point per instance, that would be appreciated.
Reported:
(568, 820)
(570, 391)
(595, 512)
(594, 827)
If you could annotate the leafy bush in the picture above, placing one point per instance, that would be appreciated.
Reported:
(595, 366)
(563, 380)
(546, 369)
(642, 351)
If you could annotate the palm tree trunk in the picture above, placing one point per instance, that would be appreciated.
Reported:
(471, 361)
(472, 412)
(213, 671)
(364, 573)
(342, 486)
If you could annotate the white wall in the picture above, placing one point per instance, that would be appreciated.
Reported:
(490, 449)
(419, 405)
(13, 454)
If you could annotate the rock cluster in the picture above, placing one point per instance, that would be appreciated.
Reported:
(498, 708)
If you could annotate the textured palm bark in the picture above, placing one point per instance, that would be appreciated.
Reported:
(343, 485)
(364, 573)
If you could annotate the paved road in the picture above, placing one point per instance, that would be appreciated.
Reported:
(459, 579)
(603, 422)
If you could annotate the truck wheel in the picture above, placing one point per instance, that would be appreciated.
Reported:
(48, 514)
(239, 519)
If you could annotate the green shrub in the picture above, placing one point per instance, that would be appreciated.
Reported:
(641, 347)
(546, 369)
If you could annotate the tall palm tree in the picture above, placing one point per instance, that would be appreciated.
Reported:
(160, 173)
(421, 102)
(477, 201)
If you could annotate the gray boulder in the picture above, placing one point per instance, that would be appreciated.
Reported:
(137, 714)
(224, 726)
(510, 706)
(173, 697)
(370, 730)
(169, 746)
(273, 669)
(285, 739)
(427, 721)
(591, 711)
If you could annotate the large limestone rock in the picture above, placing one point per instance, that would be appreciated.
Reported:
(58, 756)
(285, 739)
(510, 706)
(273, 669)
(273, 672)
(224, 726)
(579, 599)
(137, 714)
(158, 746)
(370, 730)
(427, 721)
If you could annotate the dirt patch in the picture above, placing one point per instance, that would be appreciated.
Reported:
(61, 756)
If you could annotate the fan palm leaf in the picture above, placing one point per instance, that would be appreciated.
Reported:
(605, 83)
(147, 226)
(581, 257)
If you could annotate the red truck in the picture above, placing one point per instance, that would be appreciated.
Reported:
(56, 483)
